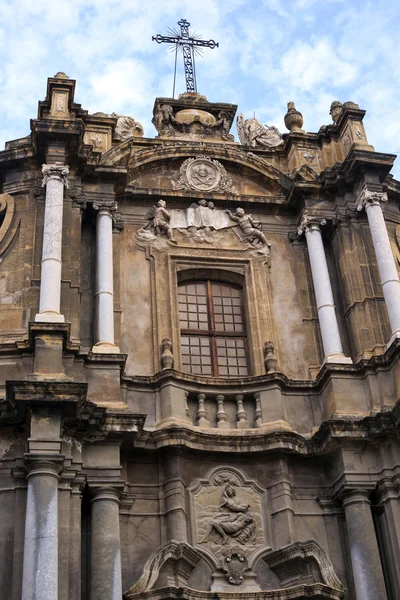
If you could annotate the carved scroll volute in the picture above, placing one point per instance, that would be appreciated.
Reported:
(7, 230)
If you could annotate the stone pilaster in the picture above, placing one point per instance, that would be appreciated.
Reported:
(54, 179)
(175, 498)
(331, 341)
(106, 577)
(371, 201)
(366, 563)
(40, 569)
(104, 325)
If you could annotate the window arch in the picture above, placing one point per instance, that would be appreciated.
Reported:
(213, 330)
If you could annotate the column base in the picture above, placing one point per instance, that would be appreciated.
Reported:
(105, 348)
(49, 316)
(337, 358)
(395, 336)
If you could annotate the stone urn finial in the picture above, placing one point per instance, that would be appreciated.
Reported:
(336, 109)
(293, 118)
(167, 358)
(270, 360)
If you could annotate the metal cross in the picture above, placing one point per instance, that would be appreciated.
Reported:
(191, 44)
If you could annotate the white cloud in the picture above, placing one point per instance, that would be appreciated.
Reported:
(310, 66)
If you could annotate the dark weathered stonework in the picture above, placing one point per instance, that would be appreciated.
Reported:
(122, 474)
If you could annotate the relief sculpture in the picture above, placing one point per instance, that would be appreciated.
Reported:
(235, 520)
(158, 223)
(202, 223)
(227, 514)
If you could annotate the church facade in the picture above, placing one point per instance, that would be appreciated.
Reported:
(199, 357)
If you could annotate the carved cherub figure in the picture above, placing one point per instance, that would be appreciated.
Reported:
(158, 218)
(248, 226)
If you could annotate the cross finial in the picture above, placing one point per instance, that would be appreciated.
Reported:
(190, 44)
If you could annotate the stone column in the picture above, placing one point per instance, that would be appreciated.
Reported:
(104, 326)
(333, 351)
(175, 498)
(106, 578)
(74, 589)
(365, 560)
(371, 201)
(54, 178)
(40, 570)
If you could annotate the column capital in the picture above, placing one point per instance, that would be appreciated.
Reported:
(355, 496)
(310, 222)
(111, 493)
(370, 198)
(105, 206)
(45, 465)
(59, 172)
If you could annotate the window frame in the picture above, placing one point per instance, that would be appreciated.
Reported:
(211, 333)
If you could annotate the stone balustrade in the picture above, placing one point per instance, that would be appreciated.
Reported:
(224, 411)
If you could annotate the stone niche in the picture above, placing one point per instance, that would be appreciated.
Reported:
(228, 522)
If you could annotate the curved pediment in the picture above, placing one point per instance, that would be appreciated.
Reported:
(173, 167)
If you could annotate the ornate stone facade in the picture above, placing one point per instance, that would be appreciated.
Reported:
(199, 357)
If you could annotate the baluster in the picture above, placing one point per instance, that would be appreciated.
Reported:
(201, 412)
(257, 413)
(242, 422)
(186, 404)
(222, 418)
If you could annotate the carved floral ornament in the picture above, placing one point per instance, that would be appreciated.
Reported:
(204, 174)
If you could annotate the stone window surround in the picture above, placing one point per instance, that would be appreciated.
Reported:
(226, 270)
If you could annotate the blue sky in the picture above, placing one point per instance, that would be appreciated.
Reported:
(271, 52)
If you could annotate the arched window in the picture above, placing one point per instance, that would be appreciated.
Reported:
(213, 332)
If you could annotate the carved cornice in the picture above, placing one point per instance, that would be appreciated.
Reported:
(58, 172)
(186, 149)
(331, 434)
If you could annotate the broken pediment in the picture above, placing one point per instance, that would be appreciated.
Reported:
(179, 169)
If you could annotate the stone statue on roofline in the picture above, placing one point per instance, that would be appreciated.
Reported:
(256, 135)
(127, 127)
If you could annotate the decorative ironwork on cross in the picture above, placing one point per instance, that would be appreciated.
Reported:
(191, 44)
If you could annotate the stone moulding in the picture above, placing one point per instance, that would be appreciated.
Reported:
(184, 559)
(309, 551)
(8, 228)
(172, 564)
(316, 591)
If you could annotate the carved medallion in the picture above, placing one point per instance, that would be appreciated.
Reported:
(203, 174)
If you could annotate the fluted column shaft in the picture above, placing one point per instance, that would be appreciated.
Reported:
(333, 351)
(390, 281)
(55, 179)
(104, 326)
(40, 570)
(364, 552)
(106, 578)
